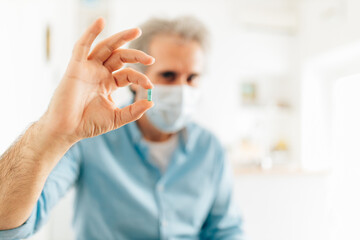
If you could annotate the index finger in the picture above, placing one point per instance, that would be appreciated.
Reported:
(104, 49)
(128, 76)
(121, 56)
(83, 45)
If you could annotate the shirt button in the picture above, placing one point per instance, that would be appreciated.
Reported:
(164, 223)
(160, 187)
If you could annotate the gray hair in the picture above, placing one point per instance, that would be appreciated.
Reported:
(187, 27)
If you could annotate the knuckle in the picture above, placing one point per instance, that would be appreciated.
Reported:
(129, 71)
(79, 44)
(138, 59)
(118, 118)
(122, 59)
(75, 47)
(131, 109)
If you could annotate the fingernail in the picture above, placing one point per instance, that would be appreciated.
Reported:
(140, 32)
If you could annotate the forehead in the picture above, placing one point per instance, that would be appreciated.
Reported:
(177, 54)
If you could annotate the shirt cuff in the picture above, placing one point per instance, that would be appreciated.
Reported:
(23, 231)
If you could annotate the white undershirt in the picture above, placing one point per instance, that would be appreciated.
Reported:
(161, 152)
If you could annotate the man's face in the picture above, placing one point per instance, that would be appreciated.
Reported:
(178, 61)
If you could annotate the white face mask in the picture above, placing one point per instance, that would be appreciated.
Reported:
(174, 106)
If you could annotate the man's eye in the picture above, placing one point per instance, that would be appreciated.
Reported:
(192, 78)
(170, 76)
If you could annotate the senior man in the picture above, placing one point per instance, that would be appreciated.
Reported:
(161, 177)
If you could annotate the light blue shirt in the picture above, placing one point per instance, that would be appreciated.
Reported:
(122, 195)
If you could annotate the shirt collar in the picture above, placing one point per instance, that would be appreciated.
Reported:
(137, 137)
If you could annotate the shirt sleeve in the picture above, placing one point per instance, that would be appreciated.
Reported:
(223, 221)
(60, 180)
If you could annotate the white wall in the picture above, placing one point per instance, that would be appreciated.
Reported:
(27, 78)
(284, 207)
(345, 192)
(23, 97)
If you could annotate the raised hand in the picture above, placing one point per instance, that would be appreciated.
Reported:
(82, 106)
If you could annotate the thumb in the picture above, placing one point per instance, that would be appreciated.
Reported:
(131, 113)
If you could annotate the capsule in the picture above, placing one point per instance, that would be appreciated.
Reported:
(149, 94)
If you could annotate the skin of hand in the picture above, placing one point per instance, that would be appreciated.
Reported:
(80, 108)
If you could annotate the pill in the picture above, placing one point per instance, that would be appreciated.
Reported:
(149, 94)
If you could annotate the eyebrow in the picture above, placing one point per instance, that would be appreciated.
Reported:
(165, 71)
(175, 72)
(195, 74)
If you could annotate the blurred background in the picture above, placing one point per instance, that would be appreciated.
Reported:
(277, 92)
